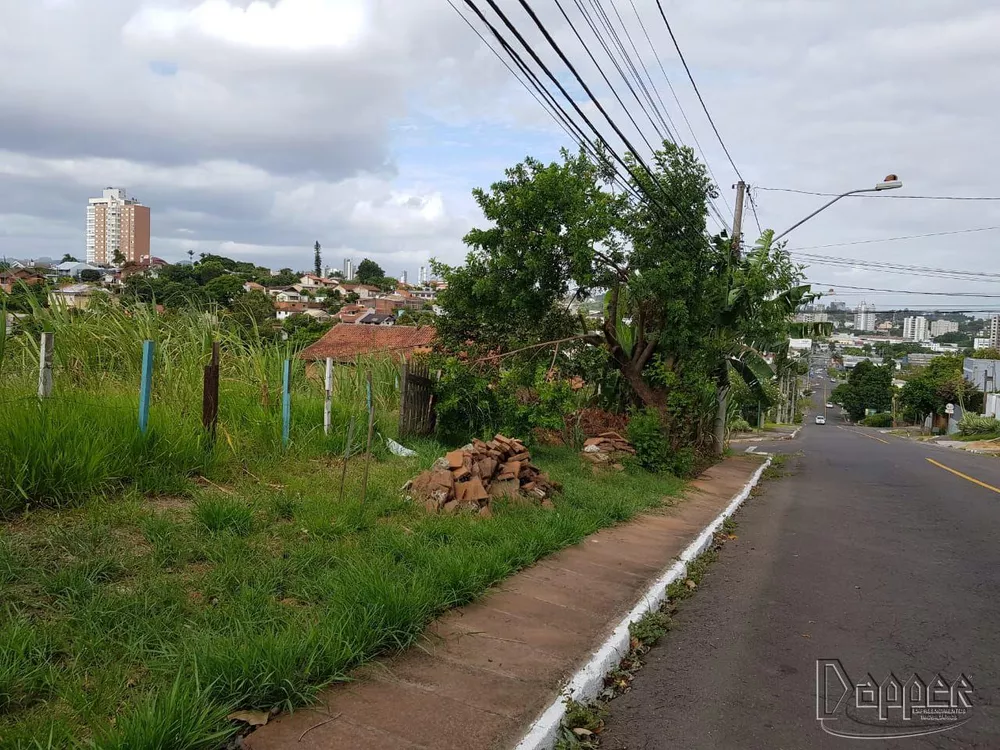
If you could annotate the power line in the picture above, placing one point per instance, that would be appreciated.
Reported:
(886, 195)
(903, 237)
(753, 206)
(696, 91)
(677, 101)
(888, 267)
(907, 291)
(543, 89)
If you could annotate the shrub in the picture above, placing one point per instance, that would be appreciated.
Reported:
(648, 437)
(883, 419)
(974, 424)
(740, 425)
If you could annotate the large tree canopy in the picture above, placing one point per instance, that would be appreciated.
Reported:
(369, 272)
(677, 307)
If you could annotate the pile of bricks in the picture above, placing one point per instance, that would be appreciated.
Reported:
(607, 449)
(472, 477)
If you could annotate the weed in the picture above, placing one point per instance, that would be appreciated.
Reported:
(649, 628)
(223, 514)
(182, 718)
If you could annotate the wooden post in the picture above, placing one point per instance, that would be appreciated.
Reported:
(371, 430)
(328, 397)
(210, 396)
(403, 410)
(146, 385)
(286, 403)
(347, 456)
(44, 365)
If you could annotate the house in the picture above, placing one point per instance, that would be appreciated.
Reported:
(74, 269)
(354, 313)
(364, 291)
(378, 319)
(285, 310)
(393, 302)
(253, 286)
(284, 294)
(344, 343)
(317, 314)
(76, 296)
(310, 281)
(12, 278)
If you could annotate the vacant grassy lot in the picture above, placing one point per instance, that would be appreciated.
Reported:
(168, 612)
(151, 584)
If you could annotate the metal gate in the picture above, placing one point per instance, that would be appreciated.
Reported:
(416, 401)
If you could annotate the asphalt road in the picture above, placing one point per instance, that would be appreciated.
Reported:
(865, 552)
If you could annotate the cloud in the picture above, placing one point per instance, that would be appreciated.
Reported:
(260, 127)
(294, 25)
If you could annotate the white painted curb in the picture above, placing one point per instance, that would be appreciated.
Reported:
(587, 683)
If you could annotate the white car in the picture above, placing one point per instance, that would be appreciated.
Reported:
(829, 406)
(820, 419)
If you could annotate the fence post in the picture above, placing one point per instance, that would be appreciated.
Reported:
(286, 403)
(371, 429)
(328, 397)
(145, 385)
(45, 365)
(210, 397)
(403, 408)
(347, 456)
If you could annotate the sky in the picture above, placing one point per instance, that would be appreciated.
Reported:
(253, 128)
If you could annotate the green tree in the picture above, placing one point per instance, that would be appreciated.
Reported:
(207, 270)
(67, 258)
(317, 259)
(90, 274)
(223, 290)
(933, 387)
(869, 386)
(986, 354)
(252, 313)
(369, 272)
(955, 337)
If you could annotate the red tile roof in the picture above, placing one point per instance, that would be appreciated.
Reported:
(345, 342)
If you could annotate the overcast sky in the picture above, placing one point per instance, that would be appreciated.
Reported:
(253, 129)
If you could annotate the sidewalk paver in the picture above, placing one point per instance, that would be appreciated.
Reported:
(482, 673)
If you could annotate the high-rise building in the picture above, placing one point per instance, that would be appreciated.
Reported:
(348, 269)
(864, 317)
(995, 332)
(915, 328)
(117, 229)
(403, 277)
(941, 327)
(423, 275)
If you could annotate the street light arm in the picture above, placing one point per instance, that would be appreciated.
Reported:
(822, 208)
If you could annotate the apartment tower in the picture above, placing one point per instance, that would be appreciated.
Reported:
(117, 229)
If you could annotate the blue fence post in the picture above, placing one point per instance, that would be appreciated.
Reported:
(286, 403)
(146, 385)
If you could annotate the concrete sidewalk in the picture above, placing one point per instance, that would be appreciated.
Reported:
(482, 673)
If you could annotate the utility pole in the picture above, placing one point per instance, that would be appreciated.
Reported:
(738, 219)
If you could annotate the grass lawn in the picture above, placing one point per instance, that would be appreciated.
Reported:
(976, 438)
(141, 620)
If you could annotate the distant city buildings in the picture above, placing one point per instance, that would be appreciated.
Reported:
(117, 229)
(915, 328)
(348, 269)
(864, 317)
(941, 327)
(994, 332)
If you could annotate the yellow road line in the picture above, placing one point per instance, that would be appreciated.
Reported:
(964, 476)
(863, 434)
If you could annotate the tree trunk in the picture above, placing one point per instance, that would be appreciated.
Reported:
(646, 393)
(721, 413)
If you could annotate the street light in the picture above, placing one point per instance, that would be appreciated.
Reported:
(891, 182)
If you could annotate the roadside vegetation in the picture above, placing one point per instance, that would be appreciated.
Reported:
(154, 582)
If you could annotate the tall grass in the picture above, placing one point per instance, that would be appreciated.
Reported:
(85, 440)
